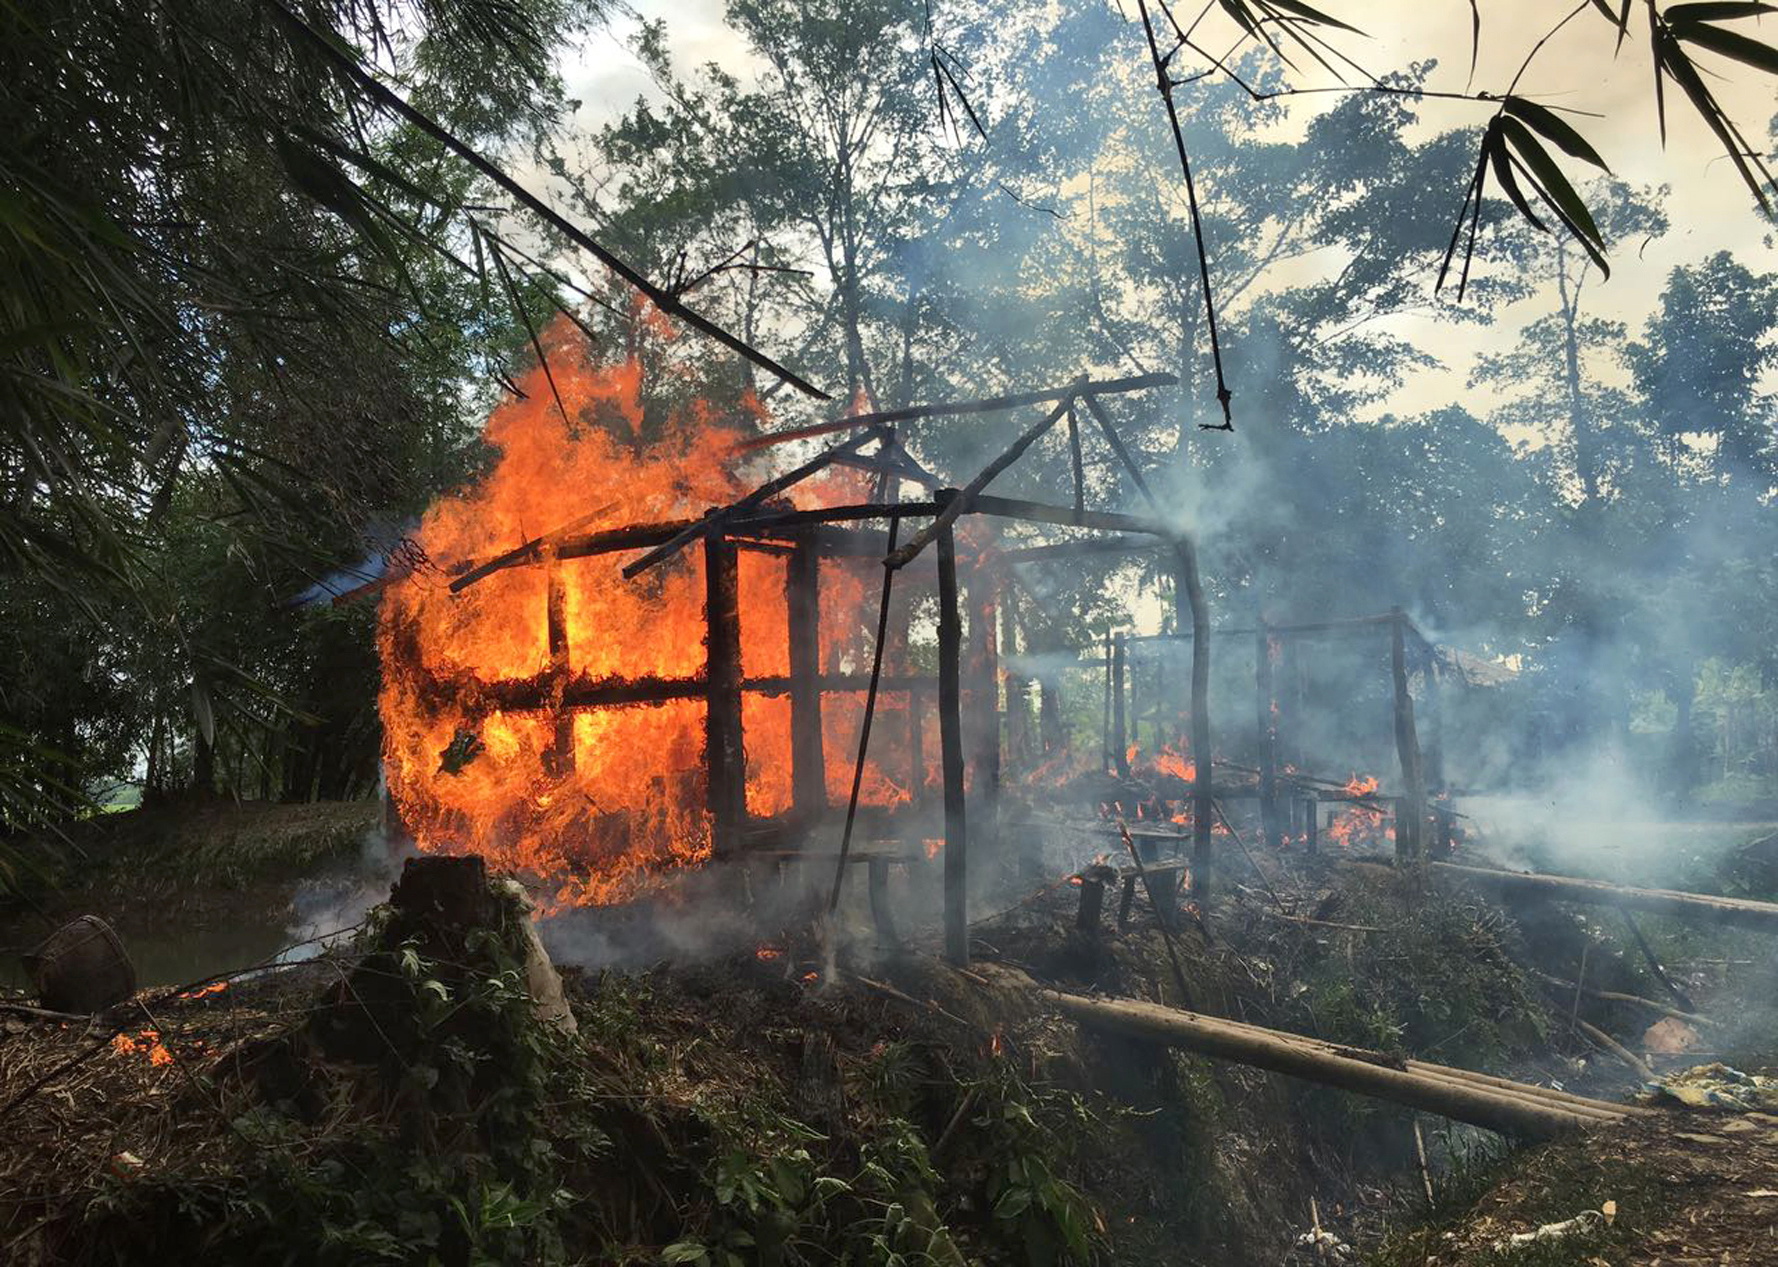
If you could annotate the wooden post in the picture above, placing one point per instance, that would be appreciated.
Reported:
(724, 757)
(802, 600)
(1313, 807)
(1092, 898)
(950, 730)
(880, 906)
(1120, 753)
(1410, 811)
(1265, 705)
(1190, 610)
(559, 760)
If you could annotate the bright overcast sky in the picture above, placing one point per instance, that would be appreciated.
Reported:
(1709, 208)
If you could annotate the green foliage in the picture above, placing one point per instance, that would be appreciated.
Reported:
(1030, 1131)
(461, 1150)
(239, 347)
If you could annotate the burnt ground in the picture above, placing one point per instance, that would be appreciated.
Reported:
(742, 1094)
(1685, 1188)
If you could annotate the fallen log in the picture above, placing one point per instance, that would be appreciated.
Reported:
(1740, 912)
(1497, 1104)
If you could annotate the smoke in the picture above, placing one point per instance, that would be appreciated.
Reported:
(326, 909)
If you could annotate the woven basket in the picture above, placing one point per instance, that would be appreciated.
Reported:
(82, 967)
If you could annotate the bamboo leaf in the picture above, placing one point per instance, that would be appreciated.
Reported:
(1554, 128)
(1304, 13)
(1472, 194)
(1730, 44)
(1574, 230)
(1494, 146)
(1672, 58)
(1716, 12)
(1621, 20)
(1558, 192)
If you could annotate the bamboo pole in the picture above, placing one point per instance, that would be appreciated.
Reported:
(1740, 912)
(993, 404)
(961, 501)
(1120, 738)
(1265, 703)
(1517, 1110)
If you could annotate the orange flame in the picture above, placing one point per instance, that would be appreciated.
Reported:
(629, 802)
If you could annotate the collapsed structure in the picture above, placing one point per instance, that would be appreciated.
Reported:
(770, 569)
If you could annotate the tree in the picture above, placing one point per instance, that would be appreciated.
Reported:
(1700, 363)
(1557, 370)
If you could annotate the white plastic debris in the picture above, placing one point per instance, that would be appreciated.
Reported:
(1326, 1247)
(1584, 1221)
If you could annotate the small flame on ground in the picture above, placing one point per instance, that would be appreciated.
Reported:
(146, 1042)
(933, 847)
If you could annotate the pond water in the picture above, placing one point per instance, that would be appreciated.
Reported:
(223, 933)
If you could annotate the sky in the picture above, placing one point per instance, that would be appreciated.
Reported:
(1709, 208)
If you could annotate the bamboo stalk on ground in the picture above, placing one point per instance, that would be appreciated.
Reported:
(1742, 912)
(1497, 1104)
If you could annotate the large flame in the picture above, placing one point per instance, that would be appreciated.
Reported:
(468, 776)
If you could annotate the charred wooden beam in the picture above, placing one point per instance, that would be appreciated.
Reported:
(724, 756)
(950, 730)
(717, 520)
(533, 551)
(1066, 516)
(961, 502)
(893, 465)
(992, 404)
(802, 599)
(538, 693)
(1077, 549)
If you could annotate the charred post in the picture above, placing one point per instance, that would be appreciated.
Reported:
(1265, 710)
(1410, 812)
(950, 730)
(724, 758)
(559, 760)
(1190, 611)
(808, 766)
